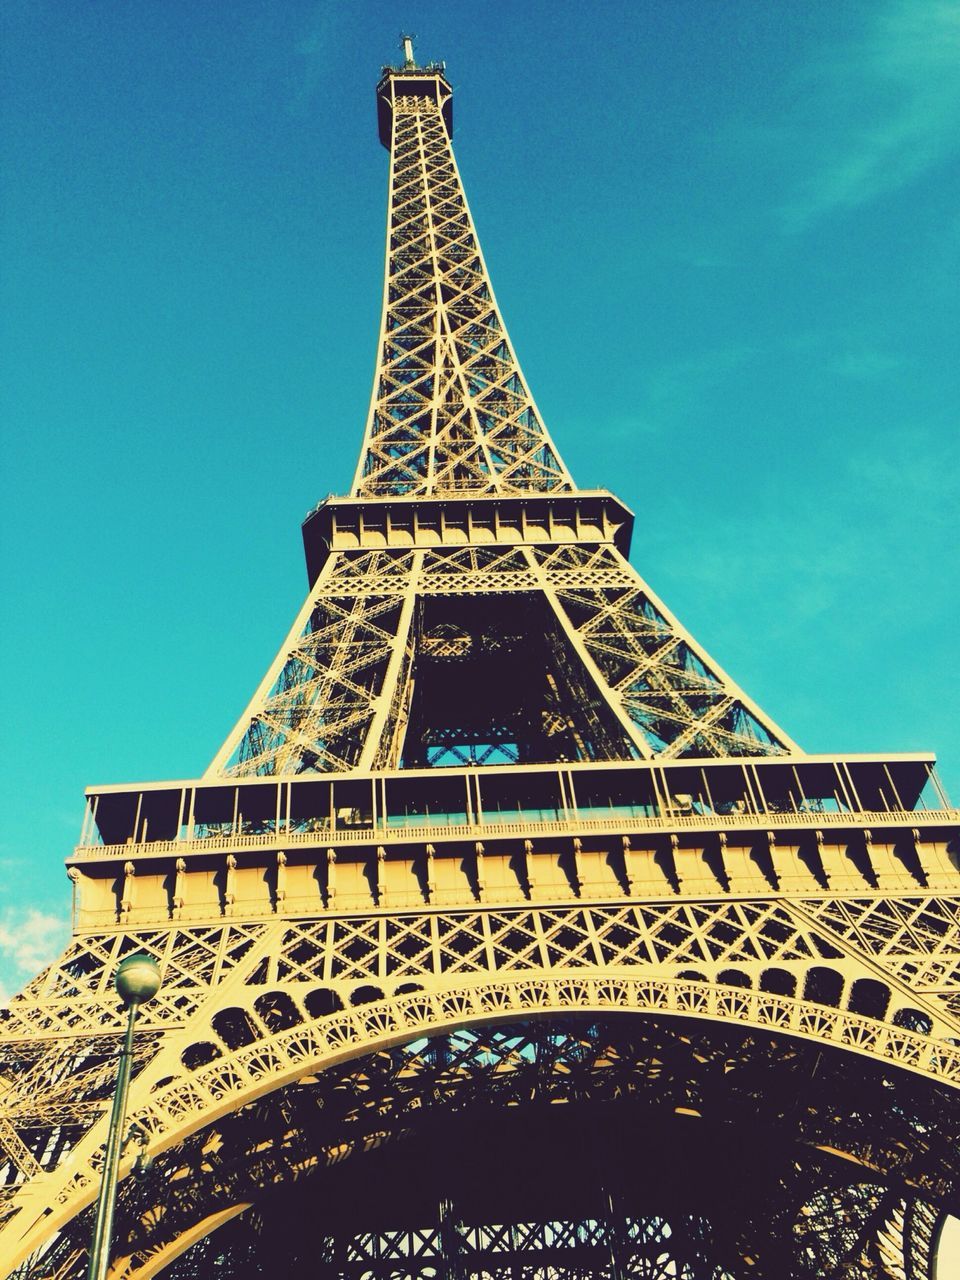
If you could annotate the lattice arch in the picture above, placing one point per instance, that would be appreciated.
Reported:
(164, 1114)
(198, 1101)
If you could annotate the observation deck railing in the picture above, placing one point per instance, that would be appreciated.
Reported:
(322, 833)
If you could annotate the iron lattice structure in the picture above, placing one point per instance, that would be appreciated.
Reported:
(505, 935)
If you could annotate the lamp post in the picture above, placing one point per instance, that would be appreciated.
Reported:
(137, 980)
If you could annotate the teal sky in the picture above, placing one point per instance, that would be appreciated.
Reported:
(725, 240)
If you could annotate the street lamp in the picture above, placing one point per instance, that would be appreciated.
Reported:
(137, 980)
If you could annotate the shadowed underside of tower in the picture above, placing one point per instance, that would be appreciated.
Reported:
(505, 935)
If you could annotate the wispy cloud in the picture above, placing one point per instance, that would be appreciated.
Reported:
(315, 49)
(685, 381)
(797, 552)
(866, 364)
(887, 109)
(914, 471)
(29, 941)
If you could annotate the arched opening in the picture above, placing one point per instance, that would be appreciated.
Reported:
(199, 1054)
(913, 1020)
(235, 1027)
(321, 1001)
(823, 986)
(278, 1011)
(733, 978)
(366, 995)
(779, 982)
(869, 997)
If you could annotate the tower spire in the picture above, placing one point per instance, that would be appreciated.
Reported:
(450, 409)
(406, 44)
(470, 605)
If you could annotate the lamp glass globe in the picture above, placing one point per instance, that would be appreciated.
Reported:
(138, 979)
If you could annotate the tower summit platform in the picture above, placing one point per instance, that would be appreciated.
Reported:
(411, 81)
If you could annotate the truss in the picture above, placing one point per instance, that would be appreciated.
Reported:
(450, 407)
(500, 879)
(622, 679)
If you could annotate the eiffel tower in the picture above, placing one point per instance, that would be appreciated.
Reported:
(505, 935)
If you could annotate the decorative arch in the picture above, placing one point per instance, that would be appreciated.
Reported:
(207, 1093)
(836, 1173)
(166, 1114)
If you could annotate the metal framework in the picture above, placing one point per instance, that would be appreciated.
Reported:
(505, 935)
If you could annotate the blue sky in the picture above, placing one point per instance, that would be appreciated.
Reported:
(725, 240)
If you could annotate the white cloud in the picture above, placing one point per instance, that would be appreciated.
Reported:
(316, 48)
(29, 941)
(682, 382)
(911, 471)
(884, 110)
(866, 364)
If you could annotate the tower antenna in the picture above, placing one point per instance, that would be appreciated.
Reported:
(406, 44)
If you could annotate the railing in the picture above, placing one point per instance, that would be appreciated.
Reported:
(338, 837)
